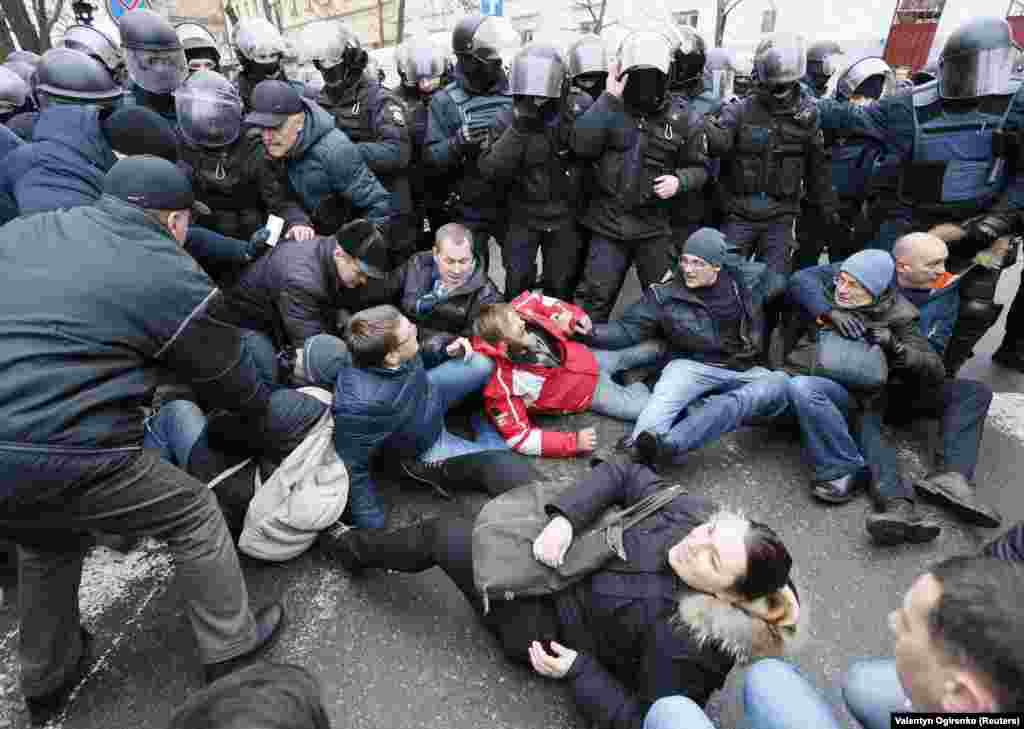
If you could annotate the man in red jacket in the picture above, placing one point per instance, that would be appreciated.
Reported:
(539, 369)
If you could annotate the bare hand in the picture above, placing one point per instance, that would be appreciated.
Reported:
(586, 440)
(584, 325)
(948, 232)
(552, 666)
(300, 232)
(460, 347)
(553, 542)
(614, 86)
(666, 186)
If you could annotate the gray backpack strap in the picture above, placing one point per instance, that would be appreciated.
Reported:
(636, 514)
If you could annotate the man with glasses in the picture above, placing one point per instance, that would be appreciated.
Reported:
(711, 312)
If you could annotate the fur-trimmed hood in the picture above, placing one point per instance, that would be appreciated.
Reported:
(764, 628)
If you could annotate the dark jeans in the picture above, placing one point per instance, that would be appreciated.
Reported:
(771, 240)
(609, 260)
(961, 407)
(61, 495)
(1013, 340)
(448, 543)
(561, 257)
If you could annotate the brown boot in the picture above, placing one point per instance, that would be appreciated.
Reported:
(951, 489)
(898, 522)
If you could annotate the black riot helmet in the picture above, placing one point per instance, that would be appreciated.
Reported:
(689, 54)
(587, 60)
(538, 70)
(977, 60)
(28, 57)
(209, 110)
(780, 61)
(336, 51)
(99, 45)
(817, 54)
(484, 46)
(25, 70)
(643, 59)
(201, 51)
(13, 92)
(259, 48)
(153, 53)
(422, 64)
(720, 73)
(67, 76)
(869, 77)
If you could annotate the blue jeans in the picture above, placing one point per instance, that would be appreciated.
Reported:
(676, 712)
(454, 381)
(777, 696)
(174, 430)
(684, 381)
(615, 400)
(873, 691)
(822, 407)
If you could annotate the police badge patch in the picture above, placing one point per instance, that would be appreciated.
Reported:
(397, 116)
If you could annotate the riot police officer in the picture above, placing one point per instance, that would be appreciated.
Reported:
(100, 46)
(201, 52)
(67, 76)
(229, 171)
(587, 59)
(645, 153)
(818, 68)
(259, 49)
(155, 60)
(461, 114)
(423, 68)
(372, 117)
(527, 155)
(772, 153)
(958, 162)
(686, 80)
(860, 166)
(720, 74)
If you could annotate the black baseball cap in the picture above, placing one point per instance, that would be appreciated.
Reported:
(272, 103)
(362, 240)
(153, 183)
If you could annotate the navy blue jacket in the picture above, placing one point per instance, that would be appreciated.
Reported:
(9, 141)
(64, 165)
(672, 312)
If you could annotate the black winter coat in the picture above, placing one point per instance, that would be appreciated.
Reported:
(294, 292)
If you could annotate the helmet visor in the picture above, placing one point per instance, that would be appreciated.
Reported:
(722, 83)
(781, 59)
(207, 117)
(158, 72)
(589, 56)
(644, 50)
(978, 73)
(537, 76)
(423, 62)
(496, 40)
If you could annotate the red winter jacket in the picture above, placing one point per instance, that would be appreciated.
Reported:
(517, 389)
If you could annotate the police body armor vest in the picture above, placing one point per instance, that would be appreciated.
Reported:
(953, 168)
(770, 154)
(656, 153)
(357, 118)
(853, 162)
(477, 111)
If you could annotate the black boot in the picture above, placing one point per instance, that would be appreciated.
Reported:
(45, 707)
(898, 522)
(1011, 357)
(649, 451)
(953, 490)
(493, 472)
(409, 549)
(269, 622)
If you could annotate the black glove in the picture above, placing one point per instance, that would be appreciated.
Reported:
(526, 116)
(469, 138)
(258, 244)
(986, 229)
(847, 323)
(882, 336)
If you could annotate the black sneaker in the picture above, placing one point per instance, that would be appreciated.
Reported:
(336, 541)
(42, 709)
(899, 522)
(431, 473)
(269, 622)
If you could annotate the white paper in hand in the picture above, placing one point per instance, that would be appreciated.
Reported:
(276, 225)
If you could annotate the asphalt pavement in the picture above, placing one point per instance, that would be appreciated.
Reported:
(405, 651)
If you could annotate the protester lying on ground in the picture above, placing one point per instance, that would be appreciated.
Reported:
(298, 291)
(389, 397)
(711, 315)
(958, 647)
(442, 290)
(539, 369)
(702, 591)
(856, 332)
(265, 695)
(100, 301)
(960, 405)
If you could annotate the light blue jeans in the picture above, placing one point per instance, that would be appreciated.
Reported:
(777, 696)
(174, 430)
(682, 382)
(615, 400)
(676, 712)
(454, 381)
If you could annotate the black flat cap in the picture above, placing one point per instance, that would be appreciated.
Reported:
(135, 130)
(153, 183)
(272, 103)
